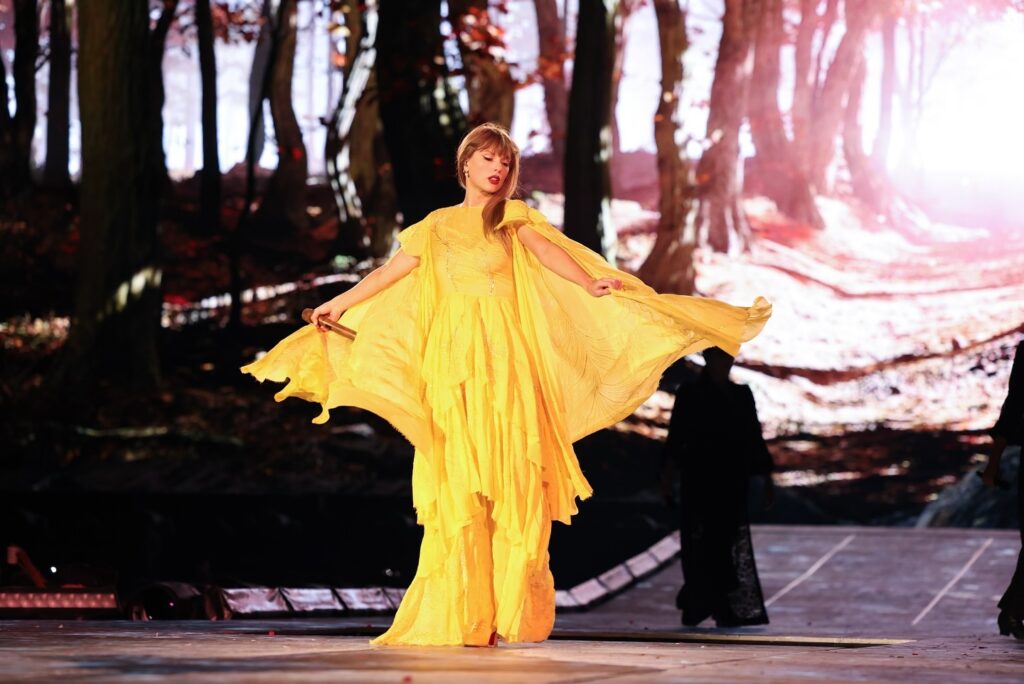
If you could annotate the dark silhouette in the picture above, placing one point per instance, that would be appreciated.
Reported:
(1009, 429)
(715, 444)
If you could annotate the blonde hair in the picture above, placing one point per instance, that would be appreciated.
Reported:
(491, 136)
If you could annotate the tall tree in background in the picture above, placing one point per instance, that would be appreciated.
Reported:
(358, 166)
(422, 119)
(210, 184)
(930, 34)
(260, 77)
(588, 149)
(625, 11)
(6, 130)
(356, 19)
(775, 170)
(912, 89)
(721, 222)
(883, 138)
(16, 175)
(869, 186)
(803, 82)
(353, 40)
(260, 64)
(551, 68)
(154, 59)
(489, 82)
(823, 94)
(829, 103)
(285, 198)
(118, 292)
(669, 266)
(58, 115)
(621, 21)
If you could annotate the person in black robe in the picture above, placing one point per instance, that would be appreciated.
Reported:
(715, 445)
(1009, 429)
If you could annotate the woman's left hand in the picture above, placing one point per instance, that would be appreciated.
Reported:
(599, 287)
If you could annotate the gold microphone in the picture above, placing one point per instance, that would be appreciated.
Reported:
(307, 315)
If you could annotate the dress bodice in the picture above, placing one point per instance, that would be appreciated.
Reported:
(465, 260)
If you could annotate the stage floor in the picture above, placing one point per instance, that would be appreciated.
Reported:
(847, 604)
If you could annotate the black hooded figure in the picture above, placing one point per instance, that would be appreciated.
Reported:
(716, 446)
(1009, 429)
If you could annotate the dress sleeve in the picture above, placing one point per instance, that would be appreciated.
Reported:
(535, 218)
(517, 214)
(413, 239)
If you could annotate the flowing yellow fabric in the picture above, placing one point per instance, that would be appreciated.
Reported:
(492, 366)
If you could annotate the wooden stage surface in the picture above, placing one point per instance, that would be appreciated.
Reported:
(847, 605)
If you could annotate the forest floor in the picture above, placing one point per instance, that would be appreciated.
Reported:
(886, 358)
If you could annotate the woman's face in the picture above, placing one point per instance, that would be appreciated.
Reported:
(486, 170)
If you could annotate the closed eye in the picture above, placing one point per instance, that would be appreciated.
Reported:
(503, 161)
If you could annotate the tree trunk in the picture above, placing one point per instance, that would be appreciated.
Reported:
(260, 64)
(155, 66)
(209, 190)
(354, 12)
(884, 136)
(775, 171)
(285, 199)
(853, 146)
(803, 83)
(669, 266)
(6, 133)
(117, 303)
(909, 162)
(588, 148)
(259, 88)
(868, 185)
(357, 162)
(489, 82)
(26, 50)
(721, 224)
(828, 22)
(551, 65)
(5, 99)
(357, 70)
(620, 20)
(58, 117)
(828, 112)
(422, 120)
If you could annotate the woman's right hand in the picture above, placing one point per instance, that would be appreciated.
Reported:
(329, 310)
(599, 287)
(990, 476)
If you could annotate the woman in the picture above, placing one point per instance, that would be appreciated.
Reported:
(493, 342)
(1009, 429)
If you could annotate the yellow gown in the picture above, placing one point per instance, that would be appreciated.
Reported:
(492, 366)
